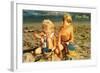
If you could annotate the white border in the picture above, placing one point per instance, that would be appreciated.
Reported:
(17, 38)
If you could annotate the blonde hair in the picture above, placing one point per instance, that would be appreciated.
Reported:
(47, 24)
(67, 17)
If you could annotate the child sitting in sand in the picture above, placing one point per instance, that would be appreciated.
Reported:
(49, 39)
(47, 36)
(66, 38)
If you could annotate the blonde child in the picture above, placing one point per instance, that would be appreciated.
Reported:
(66, 38)
(47, 37)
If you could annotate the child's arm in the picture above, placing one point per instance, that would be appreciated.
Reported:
(54, 44)
(59, 42)
(72, 35)
(37, 35)
(59, 39)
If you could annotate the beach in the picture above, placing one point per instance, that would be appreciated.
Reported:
(82, 37)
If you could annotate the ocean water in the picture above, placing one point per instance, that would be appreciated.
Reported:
(30, 16)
